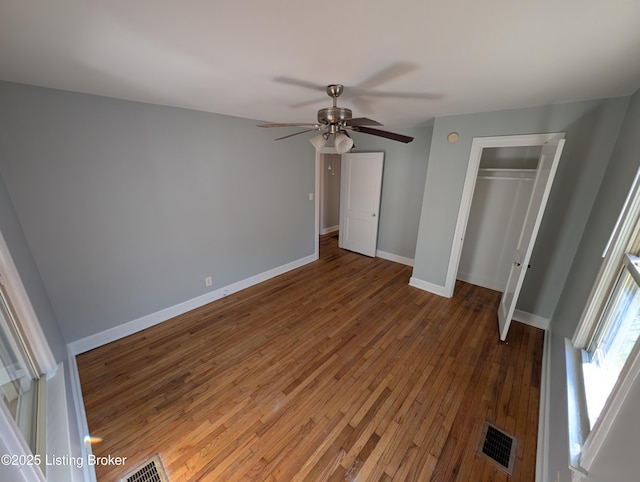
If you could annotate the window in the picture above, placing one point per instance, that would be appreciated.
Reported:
(614, 338)
(24, 355)
(603, 357)
(18, 374)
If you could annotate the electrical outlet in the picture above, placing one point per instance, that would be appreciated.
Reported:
(208, 281)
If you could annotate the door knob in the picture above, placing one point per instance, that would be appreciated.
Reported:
(373, 215)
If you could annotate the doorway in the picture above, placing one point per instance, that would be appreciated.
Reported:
(360, 193)
(498, 207)
(349, 188)
(329, 193)
(524, 224)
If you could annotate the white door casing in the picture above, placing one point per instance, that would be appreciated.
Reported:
(547, 166)
(360, 191)
(478, 144)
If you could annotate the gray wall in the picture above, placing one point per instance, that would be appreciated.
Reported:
(29, 274)
(591, 130)
(600, 159)
(405, 167)
(619, 460)
(127, 207)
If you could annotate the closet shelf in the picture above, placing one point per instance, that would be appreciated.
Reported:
(506, 173)
(506, 169)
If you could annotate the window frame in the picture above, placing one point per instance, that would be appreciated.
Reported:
(29, 326)
(631, 268)
(39, 351)
(13, 347)
(584, 444)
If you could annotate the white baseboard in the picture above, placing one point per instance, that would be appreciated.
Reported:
(330, 229)
(430, 287)
(81, 416)
(394, 257)
(58, 433)
(518, 315)
(531, 319)
(542, 453)
(112, 334)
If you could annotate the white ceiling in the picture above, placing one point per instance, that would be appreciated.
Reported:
(234, 57)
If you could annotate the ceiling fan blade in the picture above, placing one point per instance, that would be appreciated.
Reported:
(385, 75)
(300, 83)
(387, 134)
(296, 133)
(362, 103)
(308, 102)
(303, 124)
(401, 95)
(361, 121)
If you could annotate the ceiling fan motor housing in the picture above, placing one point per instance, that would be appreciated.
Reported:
(334, 115)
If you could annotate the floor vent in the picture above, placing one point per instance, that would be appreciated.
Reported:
(498, 446)
(150, 471)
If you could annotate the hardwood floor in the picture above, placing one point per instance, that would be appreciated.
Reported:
(336, 371)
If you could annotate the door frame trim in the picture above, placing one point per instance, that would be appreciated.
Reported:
(477, 145)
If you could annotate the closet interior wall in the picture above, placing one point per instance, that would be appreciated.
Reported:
(500, 200)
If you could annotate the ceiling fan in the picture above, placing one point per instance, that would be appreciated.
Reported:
(337, 122)
(363, 93)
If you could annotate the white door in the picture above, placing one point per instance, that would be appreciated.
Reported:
(360, 190)
(547, 165)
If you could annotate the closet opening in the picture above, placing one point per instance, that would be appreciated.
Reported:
(503, 201)
(499, 205)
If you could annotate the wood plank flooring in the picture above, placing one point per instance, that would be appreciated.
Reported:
(337, 371)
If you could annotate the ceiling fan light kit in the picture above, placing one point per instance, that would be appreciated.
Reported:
(336, 122)
(342, 143)
(318, 141)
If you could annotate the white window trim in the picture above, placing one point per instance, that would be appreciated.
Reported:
(28, 320)
(625, 230)
(16, 446)
(584, 447)
(42, 356)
